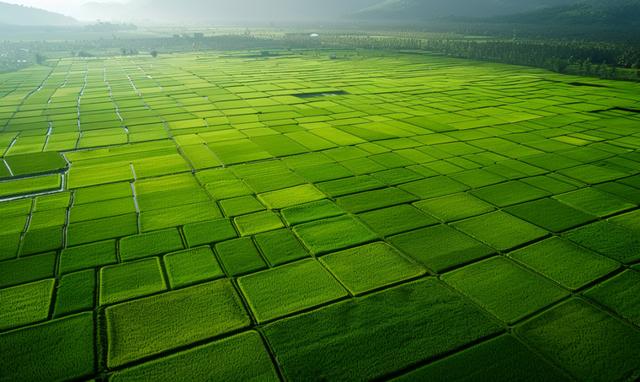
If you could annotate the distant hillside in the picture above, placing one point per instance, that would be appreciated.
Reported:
(416, 10)
(610, 12)
(11, 14)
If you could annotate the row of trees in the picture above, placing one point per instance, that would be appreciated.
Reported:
(577, 57)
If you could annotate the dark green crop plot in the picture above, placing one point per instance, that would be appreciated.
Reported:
(385, 332)
(500, 359)
(550, 214)
(36, 163)
(615, 241)
(505, 289)
(57, 350)
(565, 263)
(594, 201)
(506, 194)
(41, 240)
(620, 294)
(9, 245)
(27, 269)
(280, 247)
(585, 341)
(155, 324)
(240, 256)
(208, 232)
(372, 200)
(190, 216)
(76, 293)
(88, 256)
(441, 247)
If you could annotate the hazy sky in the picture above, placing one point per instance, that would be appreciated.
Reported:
(62, 6)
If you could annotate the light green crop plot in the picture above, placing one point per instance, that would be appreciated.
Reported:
(27, 186)
(294, 217)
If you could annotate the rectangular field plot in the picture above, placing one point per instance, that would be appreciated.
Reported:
(152, 321)
(26, 186)
(238, 215)
(385, 331)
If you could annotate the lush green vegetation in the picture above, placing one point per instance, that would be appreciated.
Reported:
(317, 214)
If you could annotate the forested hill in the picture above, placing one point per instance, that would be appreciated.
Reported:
(569, 12)
(622, 13)
(11, 14)
(415, 10)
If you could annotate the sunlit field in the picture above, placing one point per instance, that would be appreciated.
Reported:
(317, 216)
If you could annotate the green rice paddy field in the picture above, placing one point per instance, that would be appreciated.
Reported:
(383, 216)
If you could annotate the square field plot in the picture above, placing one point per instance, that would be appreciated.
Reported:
(505, 289)
(258, 223)
(76, 293)
(506, 194)
(25, 304)
(550, 214)
(214, 231)
(192, 266)
(370, 267)
(394, 220)
(615, 241)
(441, 247)
(280, 247)
(584, 340)
(333, 234)
(455, 207)
(621, 294)
(568, 264)
(501, 230)
(434, 187)
(309, 212)
(240, 256)
(595, 202)
(289, 289)
(130, 280)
